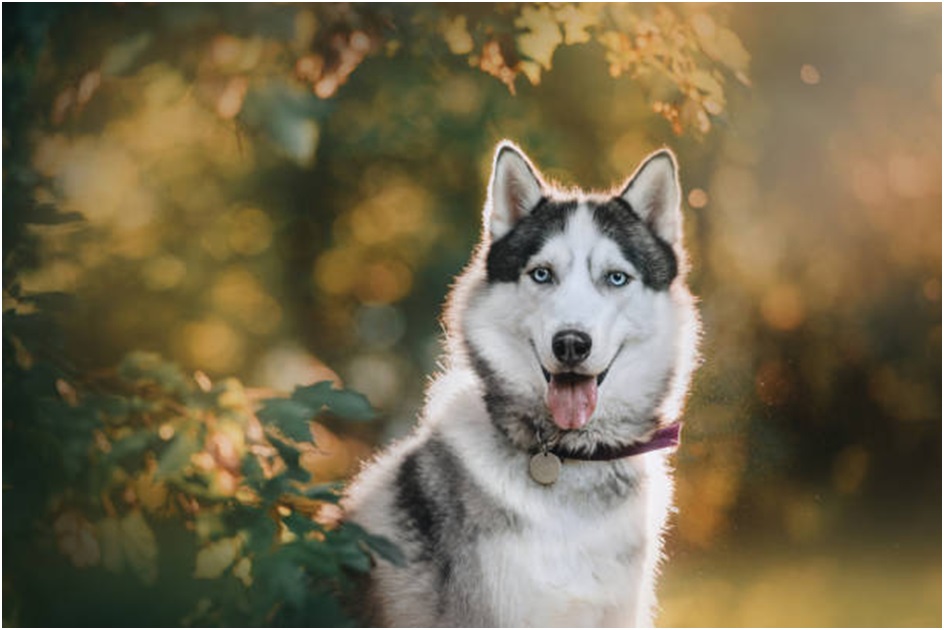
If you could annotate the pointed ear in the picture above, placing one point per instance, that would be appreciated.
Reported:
(654, 194)
(514, 190)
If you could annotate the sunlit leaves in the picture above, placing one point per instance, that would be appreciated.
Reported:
(663, 46)
(577, 21)
(150, 492)
(680, 57)
(541, 38)
(455, 32)
(722, 45)
(497, 61)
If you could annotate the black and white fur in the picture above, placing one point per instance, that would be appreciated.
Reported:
(486, 544)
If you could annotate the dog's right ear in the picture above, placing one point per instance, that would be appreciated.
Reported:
(514, 190)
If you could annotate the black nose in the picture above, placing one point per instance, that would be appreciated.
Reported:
(571, 346)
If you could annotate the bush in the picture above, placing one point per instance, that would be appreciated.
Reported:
(170, 498)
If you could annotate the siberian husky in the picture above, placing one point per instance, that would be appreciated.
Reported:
(535, 489)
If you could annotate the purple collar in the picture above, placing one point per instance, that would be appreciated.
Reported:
(668, 436)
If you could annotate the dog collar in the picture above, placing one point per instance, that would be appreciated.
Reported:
(545, 465)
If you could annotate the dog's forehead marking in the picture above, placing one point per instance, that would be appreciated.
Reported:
(555, 227)
(582, 241)
(575, 242)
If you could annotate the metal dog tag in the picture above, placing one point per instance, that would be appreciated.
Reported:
(545, 468)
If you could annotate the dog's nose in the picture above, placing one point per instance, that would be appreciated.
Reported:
(571, 346)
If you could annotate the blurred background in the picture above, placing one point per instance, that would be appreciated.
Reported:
(274, 195)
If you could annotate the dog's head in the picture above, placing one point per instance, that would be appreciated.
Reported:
(579, 315)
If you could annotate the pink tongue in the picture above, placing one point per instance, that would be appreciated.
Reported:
(572, 401)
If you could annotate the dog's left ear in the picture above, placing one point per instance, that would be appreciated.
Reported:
(654, 194)
(514, 190)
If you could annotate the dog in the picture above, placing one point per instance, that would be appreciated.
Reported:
(535, 488)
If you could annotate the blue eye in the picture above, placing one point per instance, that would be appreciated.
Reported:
(617, 278)
(541, 275)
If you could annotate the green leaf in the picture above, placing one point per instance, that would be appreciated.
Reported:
(216, 557)
(291, 416)
(140, 546)
(252, 470)
(383, 546)
(254, 523)
(350, 405)
(262, 530)
(282, 575)
(149, 366)
(386, 549)
(177, 455)
(341, 402)
(132, 445)
(274, 488)
(317, 557)
(129, 542)
(329, 492)
(291, 457)
(300, 525)
(313, 396)
(352, 556)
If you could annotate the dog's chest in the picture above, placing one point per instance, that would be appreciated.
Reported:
(568, 571)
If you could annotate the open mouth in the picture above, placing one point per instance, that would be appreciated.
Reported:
(572, 397)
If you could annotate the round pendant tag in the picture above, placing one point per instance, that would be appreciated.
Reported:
(545, 468)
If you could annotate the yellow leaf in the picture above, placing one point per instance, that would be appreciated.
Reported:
(543, 36)
(152, 494)
(233, 395)
(456, 34)
(704, 26)
(721, 44)
(216, 557)
(577, 20)
(731, 51)
(713, 107)
(243, 571)
(703, 80)
(532, 70)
